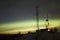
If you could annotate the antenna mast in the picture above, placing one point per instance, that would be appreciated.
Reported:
(47, 22)
(37, 16)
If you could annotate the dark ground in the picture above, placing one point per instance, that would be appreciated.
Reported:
(38, 35)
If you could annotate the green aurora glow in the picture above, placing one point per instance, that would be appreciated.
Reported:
(28, 24)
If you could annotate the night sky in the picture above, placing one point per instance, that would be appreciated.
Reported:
(14, 10)
(21, 14)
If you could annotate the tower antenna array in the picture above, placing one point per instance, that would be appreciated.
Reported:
(47, 22)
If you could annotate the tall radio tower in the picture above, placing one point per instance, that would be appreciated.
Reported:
(47, 22)
(37, 16)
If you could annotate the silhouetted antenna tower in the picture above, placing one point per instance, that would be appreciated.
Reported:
(37, 16)
(47, 21)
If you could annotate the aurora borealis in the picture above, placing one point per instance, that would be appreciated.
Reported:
(20, 15)
(27, 25)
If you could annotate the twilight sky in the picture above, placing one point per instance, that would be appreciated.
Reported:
(14, 10)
